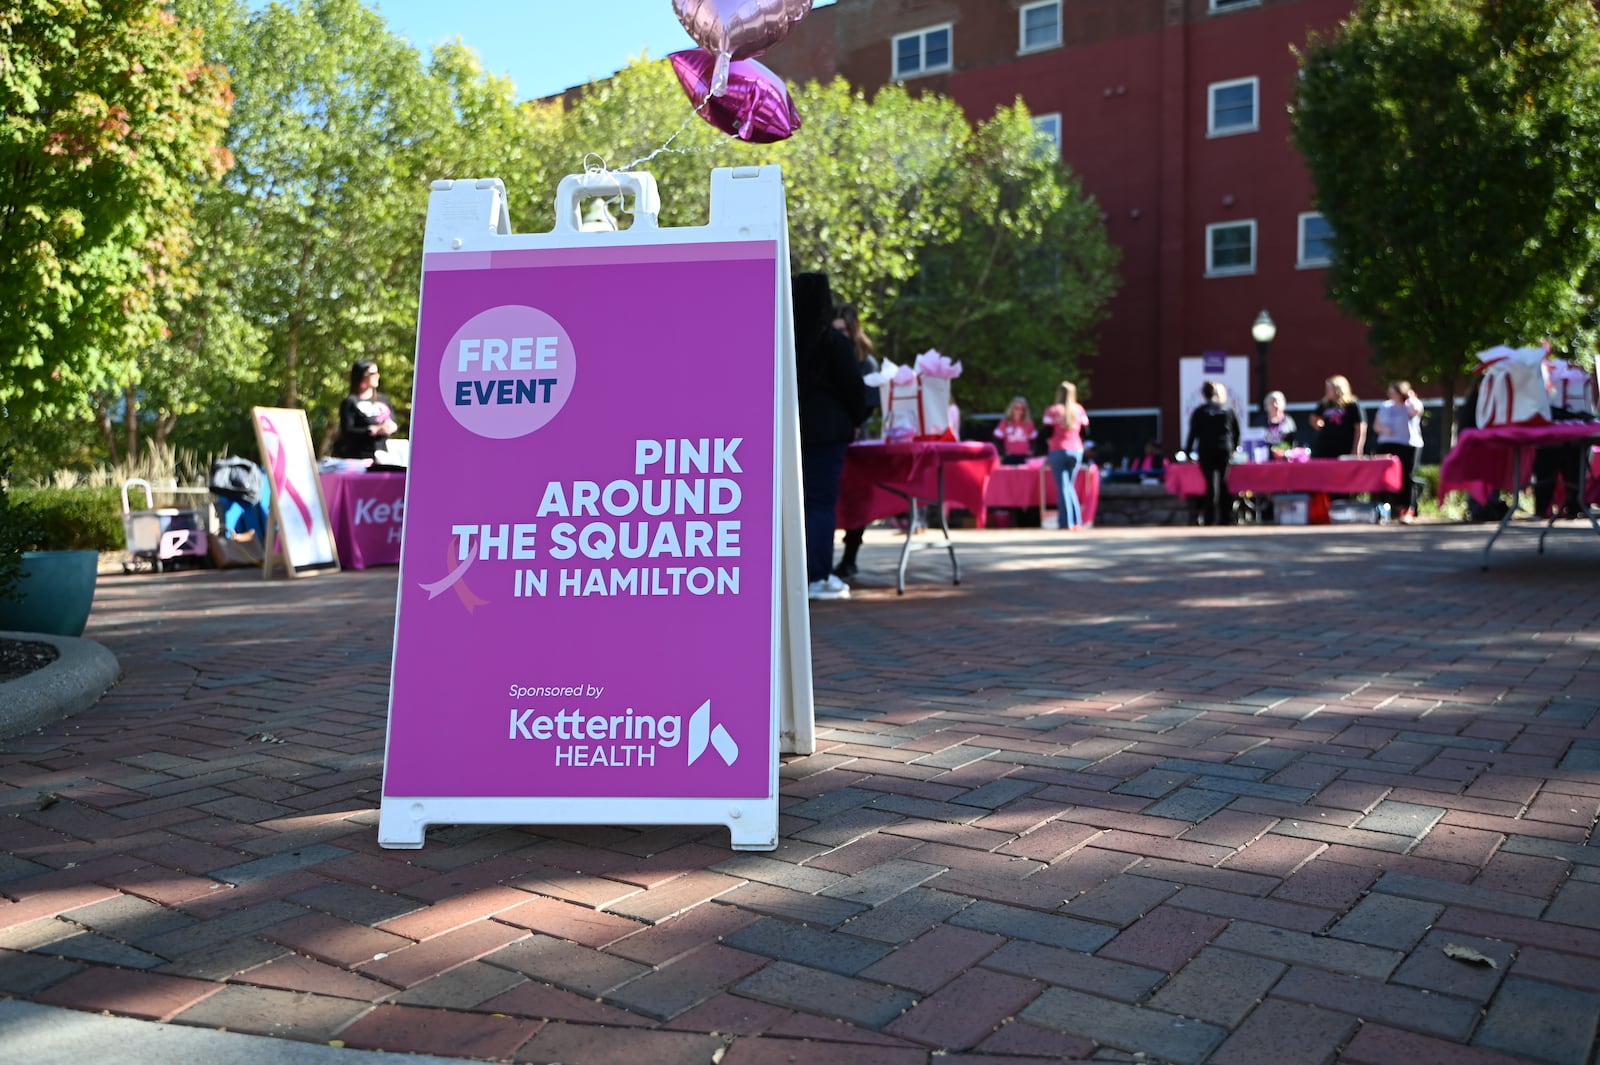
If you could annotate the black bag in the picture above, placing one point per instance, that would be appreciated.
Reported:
(237, 480)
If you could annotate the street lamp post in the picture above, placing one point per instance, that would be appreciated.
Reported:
(1263, 329)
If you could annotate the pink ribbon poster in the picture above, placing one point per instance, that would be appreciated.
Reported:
(587, 618)
(298, 531)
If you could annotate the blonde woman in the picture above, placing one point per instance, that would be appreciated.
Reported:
(1016, 434)
(1066, 421)
(1340, 423)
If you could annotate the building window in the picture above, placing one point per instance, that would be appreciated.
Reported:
(1230, 248)
(1050, 126)
(1039, 26)
(923, 52)
(1229, 5)
(1316, 240)
(1233, 107)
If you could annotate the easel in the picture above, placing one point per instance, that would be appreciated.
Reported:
(297, 516)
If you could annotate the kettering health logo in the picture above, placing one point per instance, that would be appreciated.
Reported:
(700, 733)
(625, 739)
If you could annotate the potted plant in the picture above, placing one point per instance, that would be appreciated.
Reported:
(50, 543)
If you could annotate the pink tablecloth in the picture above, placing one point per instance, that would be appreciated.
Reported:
(1345, 476)
(1481, 461)
(1022, 486)
(871, 470)
(365, 511)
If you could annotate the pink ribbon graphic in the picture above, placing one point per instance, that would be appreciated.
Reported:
(469, 599)
(280, 465)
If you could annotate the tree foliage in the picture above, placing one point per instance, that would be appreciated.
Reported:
(1453, 145)
(305, 255)
(109, 117)
(1017, 291)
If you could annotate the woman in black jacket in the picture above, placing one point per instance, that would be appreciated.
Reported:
(1213, 434)
(832, 404)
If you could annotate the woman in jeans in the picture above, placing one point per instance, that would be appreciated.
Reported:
(1067, 421)
(1399, 426)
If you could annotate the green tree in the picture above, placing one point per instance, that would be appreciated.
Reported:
(109, 119)
(868, 189)
(330, 127)
(1019, 289)
(975, 242)
(1453, 148)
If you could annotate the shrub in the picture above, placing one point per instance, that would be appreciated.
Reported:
(69, 519)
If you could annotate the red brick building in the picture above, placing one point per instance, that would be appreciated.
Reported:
(1175, 115)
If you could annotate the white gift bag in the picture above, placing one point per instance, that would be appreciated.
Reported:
(916, 399)
(1515, 388)
(1572, 388)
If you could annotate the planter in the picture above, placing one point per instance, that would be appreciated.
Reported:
(55, 593)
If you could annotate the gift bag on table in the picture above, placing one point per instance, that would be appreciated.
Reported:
(1572, 390)
(1515, 389)
(916, 399)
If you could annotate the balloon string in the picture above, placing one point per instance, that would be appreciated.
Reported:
(667, 146)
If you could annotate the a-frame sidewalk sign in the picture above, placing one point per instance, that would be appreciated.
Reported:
(602, 613)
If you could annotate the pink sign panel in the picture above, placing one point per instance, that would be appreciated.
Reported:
(587, 596)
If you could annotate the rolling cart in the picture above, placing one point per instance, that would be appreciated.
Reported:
(161, 537)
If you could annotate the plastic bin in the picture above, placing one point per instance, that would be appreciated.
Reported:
(1292, 508)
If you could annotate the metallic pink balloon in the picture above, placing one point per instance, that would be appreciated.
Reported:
(737, 29)
(756, 106)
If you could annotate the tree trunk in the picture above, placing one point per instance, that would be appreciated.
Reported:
(102, 421)
(130, 428)
(164, 427)
(1447, 417)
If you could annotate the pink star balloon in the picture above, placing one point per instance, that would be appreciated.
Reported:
(755, 107)
(737, 29)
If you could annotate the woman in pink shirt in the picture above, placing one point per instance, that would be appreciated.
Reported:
(1016, 434)
(1067, 421)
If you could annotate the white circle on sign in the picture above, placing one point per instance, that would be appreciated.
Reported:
(507, 372)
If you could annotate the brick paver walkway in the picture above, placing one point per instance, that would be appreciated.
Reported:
(1273, 796)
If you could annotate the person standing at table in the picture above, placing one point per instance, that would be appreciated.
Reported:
(1016, 434)
(1340, 423)
(1067, 421)
(1398, 424)
(1213, 435)
(366, 417)
(1279, 423)
(848, 322)
(832, 403)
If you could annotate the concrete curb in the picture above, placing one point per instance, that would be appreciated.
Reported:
(73, 682)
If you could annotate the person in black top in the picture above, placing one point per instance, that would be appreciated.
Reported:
(1213, 434)
(1340, 422)
(833, 403)
(366, 418)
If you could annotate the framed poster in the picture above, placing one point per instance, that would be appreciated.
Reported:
(1232, 371)
(297, 523)
(591, 625)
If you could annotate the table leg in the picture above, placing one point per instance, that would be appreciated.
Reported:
(944, 524)
(1511, 511)
(907, 546)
